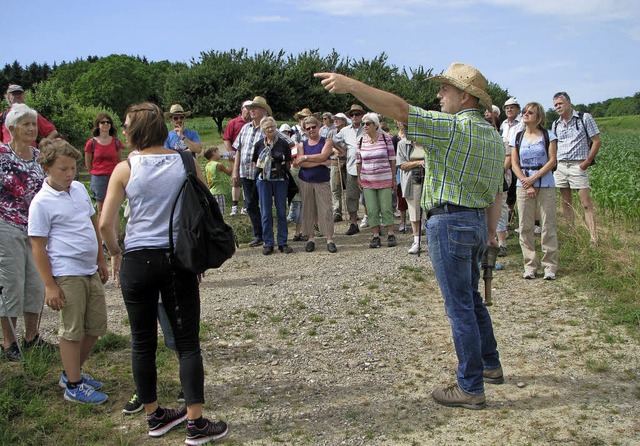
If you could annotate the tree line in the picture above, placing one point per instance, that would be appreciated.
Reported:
(217, 82)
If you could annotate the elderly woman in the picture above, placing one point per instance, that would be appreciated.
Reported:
(411, 160)
(376, 162)
(102, 153)
(20, 178)
(151, 182)
(314, 180)
(272, 157)
(533, 153)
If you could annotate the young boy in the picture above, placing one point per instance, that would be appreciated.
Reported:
(215, 180)
(66, 243)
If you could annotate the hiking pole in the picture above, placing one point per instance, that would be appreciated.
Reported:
(343, 192)
(13, 329)
(420, 232)
(488, 263)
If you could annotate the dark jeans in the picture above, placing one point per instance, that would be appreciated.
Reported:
(456, 244)
(251, 203)
(143, 275)
(270, 192)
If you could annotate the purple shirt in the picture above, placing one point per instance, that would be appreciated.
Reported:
(317, 174)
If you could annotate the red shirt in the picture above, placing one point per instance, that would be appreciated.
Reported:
(44, 128)
(105, 158)
(233, 129)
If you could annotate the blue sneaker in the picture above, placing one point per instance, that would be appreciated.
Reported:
(86, 379)
(85, 394)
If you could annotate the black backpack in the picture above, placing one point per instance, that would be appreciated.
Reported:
(204, 239)
(545, 136)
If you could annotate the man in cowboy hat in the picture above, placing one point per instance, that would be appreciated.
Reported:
(180, 138)
(231, 132)
(244, 169)
(347, 140)
(15, 95)
(299, 135)
(464, 157)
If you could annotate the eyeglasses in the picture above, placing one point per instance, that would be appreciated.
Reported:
(311, 127)
(367, 123)
(105, 122)
(529, 112)
(269, 127)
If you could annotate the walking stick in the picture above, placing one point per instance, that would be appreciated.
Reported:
(488, 264)
(13, 329)
(420, 232)
(343, 192)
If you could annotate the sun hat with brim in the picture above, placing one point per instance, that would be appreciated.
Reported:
(468, 79)
(340, 116)
(260, 102)
(13, 88)
(355, 108)
(285, 128)
(304, 113)
(176, 109)
(512, 101)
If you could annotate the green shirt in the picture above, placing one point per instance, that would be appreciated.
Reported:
(464, 157)
(215, 178)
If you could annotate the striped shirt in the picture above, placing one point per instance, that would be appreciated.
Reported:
(464, 157)
(375, 161)
(573, 144)
(245, 144)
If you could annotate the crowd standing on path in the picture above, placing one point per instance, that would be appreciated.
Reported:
(452, 170)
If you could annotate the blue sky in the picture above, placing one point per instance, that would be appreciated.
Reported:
(534, 48)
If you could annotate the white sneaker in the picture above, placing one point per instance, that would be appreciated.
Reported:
(243, 211)
(402, 228)
(537, 230)
(415, 248)
(234, 211)
(396, 213)
(365, 222)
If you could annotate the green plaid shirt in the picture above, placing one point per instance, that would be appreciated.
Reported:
(464, 157)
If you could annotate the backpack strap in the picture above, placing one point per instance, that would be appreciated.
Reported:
(190, 168)
(519, 137)
(93, 145)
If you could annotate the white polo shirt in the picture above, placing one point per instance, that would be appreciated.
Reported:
(65, 219)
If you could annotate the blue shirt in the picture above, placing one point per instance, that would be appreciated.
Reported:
(533, 155)
(174, 142)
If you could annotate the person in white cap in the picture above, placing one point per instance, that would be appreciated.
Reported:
(231, 132)
(15, 95)
(464, 157)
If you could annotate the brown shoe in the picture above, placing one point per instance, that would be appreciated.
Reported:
(454, 396)
(493, 376)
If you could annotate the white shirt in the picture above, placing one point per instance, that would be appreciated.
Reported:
(65, 219)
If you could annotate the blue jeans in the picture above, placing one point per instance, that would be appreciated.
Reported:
(456, 244)
(143, 275)
(251, 203)
(270, 191)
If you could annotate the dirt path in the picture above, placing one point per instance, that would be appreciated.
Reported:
(332, 349)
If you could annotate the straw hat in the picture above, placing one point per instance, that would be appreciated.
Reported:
(304, 113)
(468, 79)
(355, 108)
(176, 109)
(260, 102)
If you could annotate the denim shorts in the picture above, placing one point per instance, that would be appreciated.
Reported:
(98, 186)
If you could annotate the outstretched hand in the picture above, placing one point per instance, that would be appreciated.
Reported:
(334, 82)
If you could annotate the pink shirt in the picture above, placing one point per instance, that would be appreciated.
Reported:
(375, 160)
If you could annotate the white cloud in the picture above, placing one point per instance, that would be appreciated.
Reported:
(267, 19)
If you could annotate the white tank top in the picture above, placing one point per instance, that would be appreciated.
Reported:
(151, 190)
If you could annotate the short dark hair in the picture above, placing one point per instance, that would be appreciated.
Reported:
(209, 151)
(562, 94)
(147, 127)
(96, 124)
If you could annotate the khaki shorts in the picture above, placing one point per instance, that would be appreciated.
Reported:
(85, 309)
(569, 175)
(23, 290)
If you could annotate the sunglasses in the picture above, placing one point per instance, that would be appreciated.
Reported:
(355, 114)
(105, 122)
(367, 123)
(311, 127)
(529, 112)
(178, 118)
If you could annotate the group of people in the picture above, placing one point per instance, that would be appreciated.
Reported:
(450, 165)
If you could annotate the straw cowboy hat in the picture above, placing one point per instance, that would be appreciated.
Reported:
(304, 113)
(261, 102)
(468, 79)
(355, 108)
(176, 109)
